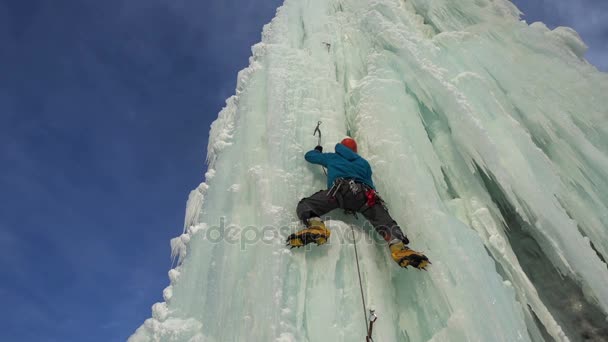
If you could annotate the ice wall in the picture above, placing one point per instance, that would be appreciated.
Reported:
(489, 140)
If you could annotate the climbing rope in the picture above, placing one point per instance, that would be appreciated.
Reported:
(359, 273)
(372, 314)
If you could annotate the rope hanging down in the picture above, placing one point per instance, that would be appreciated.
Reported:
(359, 273)
(372, 314)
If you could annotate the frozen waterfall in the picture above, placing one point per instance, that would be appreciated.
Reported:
(488, 138)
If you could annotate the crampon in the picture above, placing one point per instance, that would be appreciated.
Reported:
(316, 233)
(408, 257)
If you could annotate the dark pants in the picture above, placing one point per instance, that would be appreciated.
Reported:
(320, 204)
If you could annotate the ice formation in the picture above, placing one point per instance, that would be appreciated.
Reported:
(489, 140)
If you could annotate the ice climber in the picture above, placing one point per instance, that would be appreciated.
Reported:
(350, 187)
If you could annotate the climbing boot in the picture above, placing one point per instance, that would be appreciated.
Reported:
(408, 257)
(315, 232)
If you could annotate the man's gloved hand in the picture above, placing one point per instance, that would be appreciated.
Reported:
(319, 148)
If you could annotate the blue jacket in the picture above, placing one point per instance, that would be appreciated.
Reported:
(343, 164)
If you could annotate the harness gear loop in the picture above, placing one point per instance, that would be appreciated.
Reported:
(335, 187)
(354, 187)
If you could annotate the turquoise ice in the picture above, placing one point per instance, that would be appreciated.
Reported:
(488, 138)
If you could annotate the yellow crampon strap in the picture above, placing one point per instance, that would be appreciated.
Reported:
(417, 260)
(408, 257)
(318, 235)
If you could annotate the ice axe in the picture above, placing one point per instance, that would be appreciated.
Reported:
(317, 129)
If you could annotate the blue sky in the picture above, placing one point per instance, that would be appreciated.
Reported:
(588, 17)
(105, 109)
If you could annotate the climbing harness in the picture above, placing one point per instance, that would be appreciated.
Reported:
(354, 186)
(371, 195)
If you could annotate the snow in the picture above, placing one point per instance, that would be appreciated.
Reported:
(489, 141)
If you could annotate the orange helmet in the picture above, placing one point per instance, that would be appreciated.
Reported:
(350, 143)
